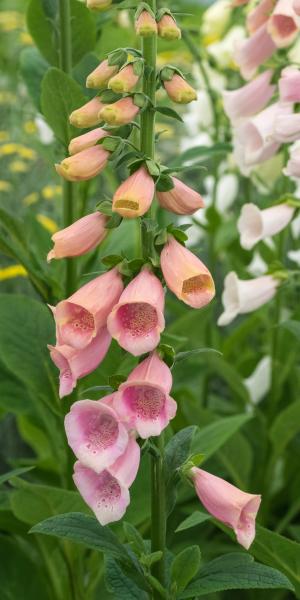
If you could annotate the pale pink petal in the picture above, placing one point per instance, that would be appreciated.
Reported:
(87, 140)
(126, 466)
(255, 225)
(249, 99)
(80, 237)
(240, 297)
(283, 25)
(181, 199)
(254, 51)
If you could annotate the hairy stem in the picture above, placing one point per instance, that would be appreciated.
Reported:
(158, 512)
(65, 60)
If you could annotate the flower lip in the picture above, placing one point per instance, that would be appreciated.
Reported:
(76, 325)
(138, 318)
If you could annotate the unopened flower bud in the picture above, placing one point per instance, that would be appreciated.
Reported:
(99, 5)
(87, 115)
(124, 81)
(168, 29)
(179, 90)
(120, 113)
(145, 25)
(99, 77)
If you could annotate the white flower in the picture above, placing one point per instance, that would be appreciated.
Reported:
(240, 297)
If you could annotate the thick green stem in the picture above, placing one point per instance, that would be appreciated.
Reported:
(158, 510)
(65, 60)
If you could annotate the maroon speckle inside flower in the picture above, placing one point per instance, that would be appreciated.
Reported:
(284, 25)
(145, 401)
(108, 490)
(138, 318)
(101, 431)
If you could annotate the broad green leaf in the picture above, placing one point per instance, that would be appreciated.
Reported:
(169, 112)
(14, 473)
(209, 439)
(33, 68)
(235, 571)
(197, 518)
(32, 503)
(293, 327)
(60, 96)
(285, 427)
(204, 152)
(189, 353)
(83, 529)
(176, 453)
(185, 566)
(120, 584)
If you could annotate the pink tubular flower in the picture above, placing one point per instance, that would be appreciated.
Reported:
(83, 165)
(255, 225)
(293, 166)
(249, 99)
(87, 140)
(283, 25)
(228, 504)
(124, 81)
(256, 134)
(296, 7)
(143, 400)
(107, 493)
(75, 364)
(79, 318)
(95, 434)
(87, 115)
(168, 28)
(259, 15)
(179, 90)
(186, 276)
(289, 85)
(99, 4)
(120, 113)
(99, 77)
(145, 25)
(137, 320)
(241, 297)
(80, 237)
(287, 128)
(181, 199)
(254, 51)
(134, 196)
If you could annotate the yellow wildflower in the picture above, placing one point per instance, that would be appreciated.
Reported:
(7, 149)
(26, 152)
(30, 127)
(49, 191)
(5, 186)
(47, 223)
(12, 271)
(18, 166)
(31, 199)
(25, 38)
(4, 136)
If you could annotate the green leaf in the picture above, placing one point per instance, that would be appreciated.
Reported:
(169, 112)
(122, 586)
(235, 571)
(176, 453)
(134, 538)
(33, 67)
(285, 427)
(203, 152)
(112, 260)
(60, 96)
(83, 529)
(293, 327)
(196, 518)
(185, 566)
(210, 438)
(114, 221)
(14, 473)
(16, 573)
(185, 355)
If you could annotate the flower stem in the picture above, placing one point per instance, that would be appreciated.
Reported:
(65, 60)
(158, 511)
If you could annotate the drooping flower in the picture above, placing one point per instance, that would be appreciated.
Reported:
(250, 98)
(75, 364)
(283, 25)
(125, 80)
(289, 85)
(79, 318)
(228, 504)
(179, 90)
(145, 25)
(143, 399)
(259, 15)
(120, 113)
(99, 5)
(83, 165)
(168, 28)
(287, 128)
(241, 297)
(134, 196)
(255, 225)
(87, 140)
(95, 434)
(87, 115)
(292, 168)
(107, 493)
(99, 77)
(254, 51)
(80, 237)
(181, 199)
(137, 320)
(186, 275)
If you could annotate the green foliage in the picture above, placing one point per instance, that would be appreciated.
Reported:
(185, 566)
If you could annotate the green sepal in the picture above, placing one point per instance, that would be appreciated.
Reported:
(164, 183)
(109, 97)
(169, 112)
(112, 260)
(117, 57)
(114, 221)
(167, 354)
(105, 207)
(144, 6)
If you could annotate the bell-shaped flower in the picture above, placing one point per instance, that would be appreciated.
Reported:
(124, 81)
(134, 196)
(254, 51)
(137, 320)
(87, 140)
(95, 434)
(181, 199)
(87, 115)
(241, 297)
(292, 168)
(287, 128)
(79, 318)
(259, 15)
(179, 90)
(80, 237)
(283, 25)
(168, 28)
(84, 165)
(289, 85)
(120, 113)
(145, 25)
(107, 493)
(186, 275)
(255, 225)
(250, 98)
(99, 5)
(143, 399)
(99, 77)
(228, 504)
(75, 364)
